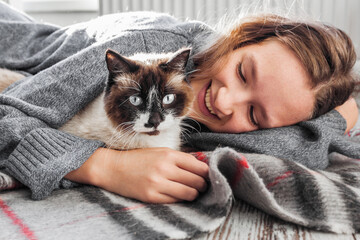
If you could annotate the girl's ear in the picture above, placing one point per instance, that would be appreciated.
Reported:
(118, 64)
(178, 61)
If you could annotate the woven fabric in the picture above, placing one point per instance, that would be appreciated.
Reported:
(327, 200)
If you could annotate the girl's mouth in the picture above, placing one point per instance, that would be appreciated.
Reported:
(204, 102)
(207, 101)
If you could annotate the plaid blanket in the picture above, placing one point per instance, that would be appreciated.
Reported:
(327, 200)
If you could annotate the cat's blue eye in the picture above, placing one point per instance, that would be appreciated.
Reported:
(169, 98)
(135, 100)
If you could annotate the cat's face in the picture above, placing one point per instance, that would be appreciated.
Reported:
(147, 96)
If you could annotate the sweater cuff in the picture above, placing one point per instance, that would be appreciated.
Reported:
(45, 156)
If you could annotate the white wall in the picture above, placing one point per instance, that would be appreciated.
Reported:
(60, 12)
(344, 14)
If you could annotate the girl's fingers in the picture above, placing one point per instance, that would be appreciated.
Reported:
(191, 164)
(179, 191)
(162, 199)
(189, 179)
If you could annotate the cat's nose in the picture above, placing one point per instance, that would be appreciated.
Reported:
(154, 120)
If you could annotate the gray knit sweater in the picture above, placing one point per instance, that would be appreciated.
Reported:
(67, 70)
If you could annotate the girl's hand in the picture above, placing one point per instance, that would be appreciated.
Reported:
(155, 175)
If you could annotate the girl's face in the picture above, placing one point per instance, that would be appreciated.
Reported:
(261, 86)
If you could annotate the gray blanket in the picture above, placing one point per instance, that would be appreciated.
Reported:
(327, 200)
(69, 71)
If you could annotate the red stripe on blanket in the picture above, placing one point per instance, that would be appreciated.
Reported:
(241, 163)
(201, 156)
(278, 179)
(16, 220)
(351, 133)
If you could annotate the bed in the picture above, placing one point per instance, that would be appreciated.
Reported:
(251, 196)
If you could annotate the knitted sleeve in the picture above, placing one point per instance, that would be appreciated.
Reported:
(31, 148)
(69, 71)
(308, 143)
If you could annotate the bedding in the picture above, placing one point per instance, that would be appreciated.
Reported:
(326, 200)
(66, 70)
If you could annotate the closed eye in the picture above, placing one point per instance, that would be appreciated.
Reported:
(252, 116)
(239, 69)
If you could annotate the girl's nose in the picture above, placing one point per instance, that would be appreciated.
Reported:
(224, 102)
(229, 100)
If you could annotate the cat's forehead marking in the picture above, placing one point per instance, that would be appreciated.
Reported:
(126, 81)
(176, 80)
(152, 95)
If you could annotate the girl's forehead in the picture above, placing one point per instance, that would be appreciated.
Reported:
(279, 82)
(283, 84)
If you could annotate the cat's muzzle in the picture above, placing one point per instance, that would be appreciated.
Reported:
(153, 133)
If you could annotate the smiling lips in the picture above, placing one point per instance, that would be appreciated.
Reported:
(207, 101)
(204, 102)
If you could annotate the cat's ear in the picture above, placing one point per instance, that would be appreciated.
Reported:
(118, 64)
(179, 60)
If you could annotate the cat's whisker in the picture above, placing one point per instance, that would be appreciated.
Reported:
(123, 102)
(195, 121)
(132, 81)
(131, 138)
(186, 126)
(127, 87)
(114, 144)
(135, 136)
(191, 72)
(119, 134)
(112, 119)
(136, 83)
(185, 134)
(127, 134)
(129, 124)
(198, 116)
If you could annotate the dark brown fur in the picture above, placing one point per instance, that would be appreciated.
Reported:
(144, 77)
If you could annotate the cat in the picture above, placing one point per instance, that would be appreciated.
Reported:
(145, 99)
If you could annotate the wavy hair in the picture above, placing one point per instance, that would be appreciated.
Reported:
(326, 52)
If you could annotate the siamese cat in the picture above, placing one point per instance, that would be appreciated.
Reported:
(145, 99)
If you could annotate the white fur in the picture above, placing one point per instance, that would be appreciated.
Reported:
(151, 95)
(176, 80)
(93, 123)
(141, 121)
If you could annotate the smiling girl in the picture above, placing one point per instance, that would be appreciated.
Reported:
(269, 72)
(265, 73)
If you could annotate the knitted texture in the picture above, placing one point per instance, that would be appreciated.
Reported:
(327, 200)
(69, 71)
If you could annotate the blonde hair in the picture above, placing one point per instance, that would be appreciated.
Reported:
(326, 52)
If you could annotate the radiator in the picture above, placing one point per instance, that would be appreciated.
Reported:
(343, 14)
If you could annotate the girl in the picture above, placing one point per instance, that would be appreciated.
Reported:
(264, 73)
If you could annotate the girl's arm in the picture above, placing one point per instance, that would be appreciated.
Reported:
(156, 175)
(69, 72)
(350, 112)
